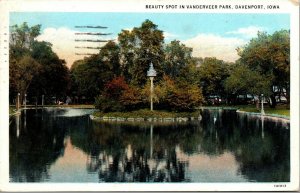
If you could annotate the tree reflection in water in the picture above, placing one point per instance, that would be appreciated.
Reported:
(37, 140)
(129, 153)
(34, 145)
(120, 152)
(261, 147)
(132, 153)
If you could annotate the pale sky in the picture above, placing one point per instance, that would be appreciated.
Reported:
(210, 35)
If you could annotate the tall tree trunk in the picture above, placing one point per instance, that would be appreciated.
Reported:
(272, 102)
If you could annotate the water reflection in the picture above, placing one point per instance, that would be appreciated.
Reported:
(60, 145)
(262, 127)
(32, 146)
(122, 153)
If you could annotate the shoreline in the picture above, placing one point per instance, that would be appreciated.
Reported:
(173, 116)
(145, 119)
(274, 117)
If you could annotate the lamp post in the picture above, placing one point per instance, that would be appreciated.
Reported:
(151, 73)
(262, 105)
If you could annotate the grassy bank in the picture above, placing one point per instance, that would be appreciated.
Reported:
(279, 110)
(145, 113)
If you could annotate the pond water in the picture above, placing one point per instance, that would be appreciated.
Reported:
(64, 145)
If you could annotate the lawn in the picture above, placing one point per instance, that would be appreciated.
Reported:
(279, 110)
(146, 113)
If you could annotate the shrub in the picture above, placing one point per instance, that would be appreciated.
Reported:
(180, 96)
(168, 94)
(105, 104)
(131, 98)
(115, 87)
(109, 100)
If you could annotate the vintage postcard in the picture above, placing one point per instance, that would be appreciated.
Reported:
(195, 95)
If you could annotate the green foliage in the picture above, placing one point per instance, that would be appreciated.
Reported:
(90, 75)
(179, 96)
(213, 73)
(139, 47)
(243, 80)
(54, 77)
(189, 73)
(157, 93)
(185, 98)
(109, 56)
(146, 113)
(177, 56)
(279, 110)
(22, 66)
(127, 53)
(105, 104)
(130, 58)
(34, 67)
(86, 80)
(21, 74)
(23, 36)
(270, 56)
(268, 53)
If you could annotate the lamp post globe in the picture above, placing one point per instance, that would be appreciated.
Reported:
(151, 73)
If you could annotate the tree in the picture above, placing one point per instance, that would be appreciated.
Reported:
(189, 73)
(213, 73)
(145, 44)
(131, 98)
(21, 74)
(54, 78)
(179, 95)
(34, 64)
(109, 56)
(23, 36)
(88, 78)
(177, 56)
(90, 75)
(109, 99)
(243, 81)
(127, 53)
(270, 56)
(22, 66)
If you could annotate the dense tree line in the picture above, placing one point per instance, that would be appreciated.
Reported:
(34, 69)
(117, 75)
(116, 78)
(268, 57)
